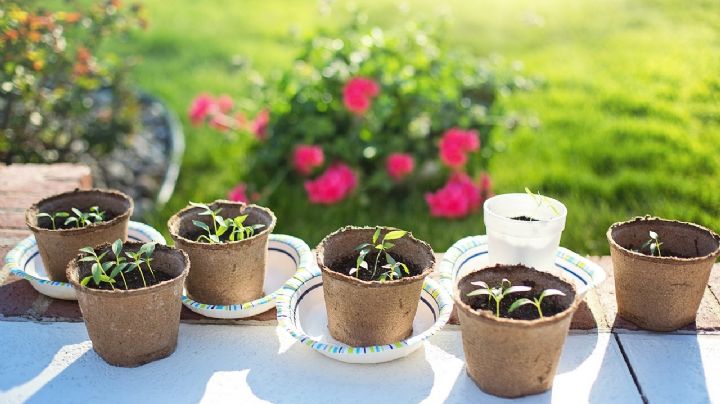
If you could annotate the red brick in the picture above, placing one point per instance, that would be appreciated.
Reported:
(65, 310)
(12, 219)
(16, 297)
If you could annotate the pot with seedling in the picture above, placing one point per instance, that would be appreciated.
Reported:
(514, 320)
(661, 270)
(372, 279)
(66, 222)
(227, 245)
(129, 295)
(524, 228)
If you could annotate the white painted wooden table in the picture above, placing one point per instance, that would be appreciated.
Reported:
(54, 362)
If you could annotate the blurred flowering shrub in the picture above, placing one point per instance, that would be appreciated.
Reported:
(374, 112)
(50, 74)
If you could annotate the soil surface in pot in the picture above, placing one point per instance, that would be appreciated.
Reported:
(550, 306)
(134, 280)
(197, 232)
(348, 263)
(665, 252)
(46, 223)
(525, 218)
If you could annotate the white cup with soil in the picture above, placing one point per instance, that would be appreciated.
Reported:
(661, 270)
(514, 321)
(227, 244)
(129, 296)
(524, 229)
(66, 222)
(372, 279)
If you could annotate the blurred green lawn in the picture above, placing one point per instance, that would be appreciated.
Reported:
(630, 114)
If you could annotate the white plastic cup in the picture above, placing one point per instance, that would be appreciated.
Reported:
(532, 243)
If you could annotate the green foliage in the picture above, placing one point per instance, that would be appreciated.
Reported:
(81, 219)
(537, 301)
(497, 294)
(50, 75)
(653, 244)
(394, 269)
(541, 200)
(106, 272)
(233, 227)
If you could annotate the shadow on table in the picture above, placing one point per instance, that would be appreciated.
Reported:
(26, 357)
(214, 362)
(302, 375)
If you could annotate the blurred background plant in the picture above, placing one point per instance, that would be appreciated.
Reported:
(50, 76)
(386, 113)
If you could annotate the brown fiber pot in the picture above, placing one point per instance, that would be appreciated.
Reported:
(133, 327)
(362, 313)
(227, 273)
(661, 293)
(509, 357)
(59, 247)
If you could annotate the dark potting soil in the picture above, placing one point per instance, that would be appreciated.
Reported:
(665, 253)
(197, 232)
(525, 218)
(134, 280)
(346, 264)
(550, 305)
(46, 223)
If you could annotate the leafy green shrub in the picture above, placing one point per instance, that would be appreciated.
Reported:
(50, 75)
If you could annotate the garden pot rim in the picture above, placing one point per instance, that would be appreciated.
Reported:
(32, 212)
(122, 293)
(488, 317)
(319, 254)
(557, 218)
(173, 225)
(665, 259)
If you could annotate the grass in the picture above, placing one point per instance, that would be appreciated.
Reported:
(630, 110)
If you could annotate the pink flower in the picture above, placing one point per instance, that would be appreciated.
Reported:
(458, 198)
(486, 186)
(358, 93)
(456, 144)
(336, 183)
(259, 125)
(202, 106)
(307, 157)
(398, 165)
(238, 193)
(225, 103)
(221, 122)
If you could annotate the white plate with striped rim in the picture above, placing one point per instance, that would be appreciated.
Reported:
(470, 253)
(286, 256)
(301, 312)
(24, 261)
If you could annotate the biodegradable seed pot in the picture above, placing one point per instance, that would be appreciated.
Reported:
(517, 353)
(524, 228)
(223, 272)
(103, 218)
(660, 281)
(369, 304)
(133, 326)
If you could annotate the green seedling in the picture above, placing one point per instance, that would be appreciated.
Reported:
(542, 200)
(394, 269)
(142, 256)
(653, 244)
(82, 219)
(53, 216)
(497, 294)
(98, 270)
(220, 226)
(537, 301)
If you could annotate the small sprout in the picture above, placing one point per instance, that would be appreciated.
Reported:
(106, 272)
(497, 294)
(536, 301)
(653, 244)
(53, 216)
(98, 271)
(236, 226)
(542, 200)
(394, 269)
